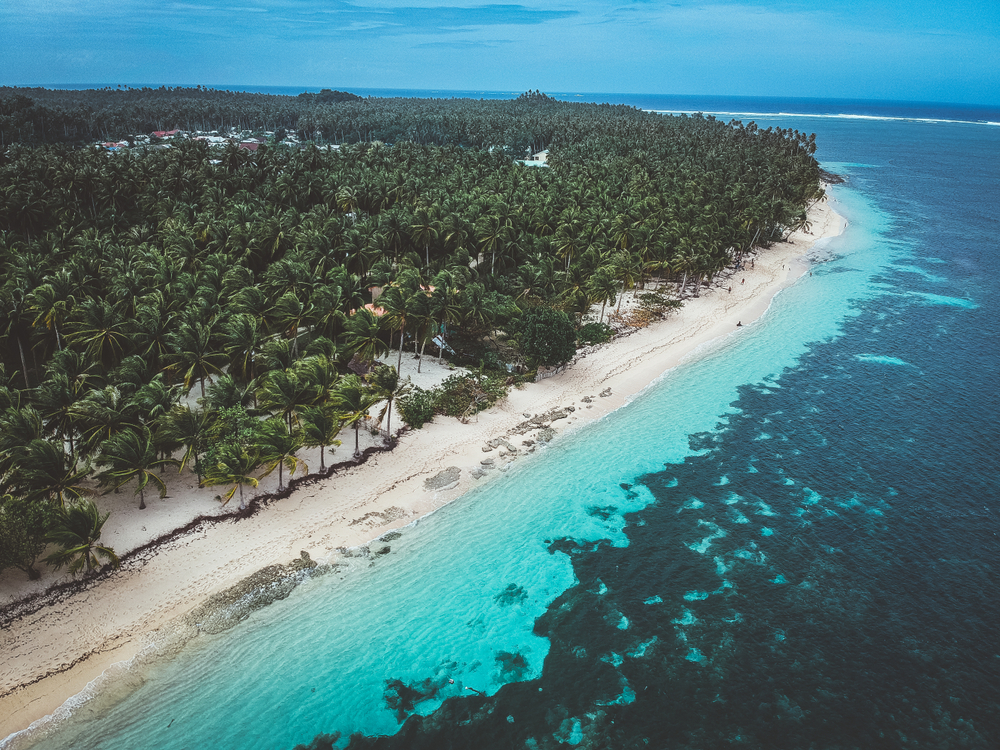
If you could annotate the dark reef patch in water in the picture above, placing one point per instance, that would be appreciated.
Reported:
(513, 594)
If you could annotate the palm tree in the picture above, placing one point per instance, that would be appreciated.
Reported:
(52, 303)
(445, 306)
(364, 335)
(393, 301)
(285, 392)
(290, 315)
(132, 455)
(328, 301)
(195, 354)
(425, 229)
(320, 427)
(354, 400)
(494, 233)
(184, 426)
(319, 371)
(232, 464)
(153, 399)
(602, 288)
(276, 446)
(227, 392)
(244, 337)
(77, 530)
(100, 415)
(385, 381)
(18, 427)
(101, 330)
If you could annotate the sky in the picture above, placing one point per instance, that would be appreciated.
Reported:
(914, 50)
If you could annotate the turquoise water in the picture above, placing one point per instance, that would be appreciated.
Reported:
(786, 542)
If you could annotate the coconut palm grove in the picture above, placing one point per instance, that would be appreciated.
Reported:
(215, 296)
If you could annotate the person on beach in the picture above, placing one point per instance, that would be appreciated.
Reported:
(739, 323)
(731, 289)
(743, 281)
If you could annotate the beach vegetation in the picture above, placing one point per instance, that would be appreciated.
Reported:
(234, 464)
(388, 387)
(76, 531)
(161, 306)
(594, 333)
(129, 455)
(354, 400)
(320, 427)
(24, 525)
(417, 408)
(276, 445)
(547, 336)
(464, 395)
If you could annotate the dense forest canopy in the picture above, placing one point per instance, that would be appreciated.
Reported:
(251, 279)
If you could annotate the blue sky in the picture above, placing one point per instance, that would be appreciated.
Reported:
(929, 50)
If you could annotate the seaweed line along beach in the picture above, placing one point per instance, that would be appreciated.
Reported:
(52, 654)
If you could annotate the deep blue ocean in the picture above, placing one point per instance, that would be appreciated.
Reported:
(789, 541)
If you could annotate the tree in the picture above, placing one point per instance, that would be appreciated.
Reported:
(184, 426)
(602, 288)
(289, 315)
(285, 392)
(320, 427)
(100, 415)
(385, 381)
(234, 452)
(132, 455)
(47, 472)
(364, 335)
(195, 355)
(354, 400)
(23, 527)
(101, 330)
(547, 336)
(244, 337)
(425, 229)
(77, 531)
(232, 463)
(276, 446)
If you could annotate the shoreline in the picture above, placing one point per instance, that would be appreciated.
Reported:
(53, 653)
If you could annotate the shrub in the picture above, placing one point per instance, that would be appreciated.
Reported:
(417, 408)
(594, 333)
(658, 303)
(462, 395)
(547, 336)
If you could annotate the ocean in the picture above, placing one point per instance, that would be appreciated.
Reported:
(789, 541)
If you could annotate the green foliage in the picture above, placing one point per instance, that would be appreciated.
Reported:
(464, 395)
(276, 446)
(417, 407)
(132, 455)
(128, 278)
(659, 303)
(458, 396)
(76, 529)
(594, 333)
(547, 336)
(24, 525)
(233, 464)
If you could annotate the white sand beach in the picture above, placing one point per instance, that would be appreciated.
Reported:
(50, 655)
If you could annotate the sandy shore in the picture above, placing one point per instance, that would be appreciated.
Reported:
(52, 654)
